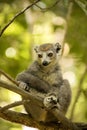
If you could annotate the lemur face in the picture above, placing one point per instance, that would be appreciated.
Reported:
(47, 53)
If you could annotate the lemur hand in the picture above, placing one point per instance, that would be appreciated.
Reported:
(50, 101)
(23, 86)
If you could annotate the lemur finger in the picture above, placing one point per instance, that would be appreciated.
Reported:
(23, 86)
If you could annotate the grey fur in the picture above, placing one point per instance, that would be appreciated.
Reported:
(45, 80)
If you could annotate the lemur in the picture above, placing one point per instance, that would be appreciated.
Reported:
(44, 77)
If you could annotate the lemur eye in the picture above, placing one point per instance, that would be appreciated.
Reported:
(50, 54)
(39, 55)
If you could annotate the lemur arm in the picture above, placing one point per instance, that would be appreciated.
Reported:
(33, 82)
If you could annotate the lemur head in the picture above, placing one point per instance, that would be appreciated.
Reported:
(47, 53)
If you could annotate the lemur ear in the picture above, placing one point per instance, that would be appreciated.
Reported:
(57, 47)
(36, 48)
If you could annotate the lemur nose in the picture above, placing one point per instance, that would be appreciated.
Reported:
(45, 63)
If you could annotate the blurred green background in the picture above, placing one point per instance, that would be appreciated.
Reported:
(65, 23)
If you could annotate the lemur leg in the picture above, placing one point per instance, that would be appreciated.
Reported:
(64, 96)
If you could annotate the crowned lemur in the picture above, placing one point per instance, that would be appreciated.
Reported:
(44, 77)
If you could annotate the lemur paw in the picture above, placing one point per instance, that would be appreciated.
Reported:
(50, 101)
(23, 86)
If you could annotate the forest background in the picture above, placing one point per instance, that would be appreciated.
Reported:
(63, 21)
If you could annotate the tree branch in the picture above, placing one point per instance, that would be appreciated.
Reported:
(8, 77)
(21, 12)
(14, 104)
(17, 117)
(26, 120)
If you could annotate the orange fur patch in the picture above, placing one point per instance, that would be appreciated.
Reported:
(46, 47)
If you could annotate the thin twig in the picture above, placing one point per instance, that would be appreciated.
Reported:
(21, 12)
(14, 104)
(82, 5)
(78, 92)
(45, 9)
(9, 78)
